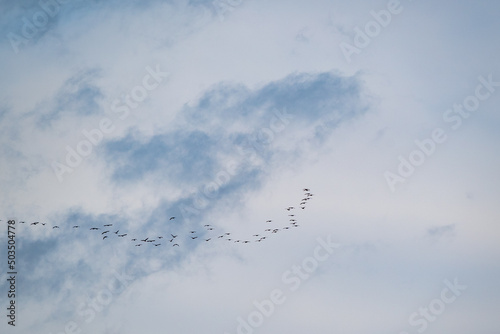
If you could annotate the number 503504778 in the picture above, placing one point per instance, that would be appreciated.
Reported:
(11, 247)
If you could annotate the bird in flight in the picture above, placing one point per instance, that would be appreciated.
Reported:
(193, 234)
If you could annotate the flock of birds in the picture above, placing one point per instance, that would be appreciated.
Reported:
(107, 231)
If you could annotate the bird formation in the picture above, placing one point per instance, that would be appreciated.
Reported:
(209, 233)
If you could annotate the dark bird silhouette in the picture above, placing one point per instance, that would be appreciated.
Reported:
(172, 218)
(160, 237)
(104, 237)
(117, 232)
(35, 223)
(76, 226)
(174, 236)
(207, 225)
(192, 232)
(194, 238)
(94, 228)
(306, 189)
(104, 232)
(134, 239)
(137, 245)
(55, 226)
(208, 239)
(157, 244)
(175, 245)
(145, 239)
(108, 225)
(268, 221)
(122, 235)
(43, 224)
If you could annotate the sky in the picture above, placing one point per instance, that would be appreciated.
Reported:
(204, 120)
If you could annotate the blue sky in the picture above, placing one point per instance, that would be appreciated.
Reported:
(219, 113)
